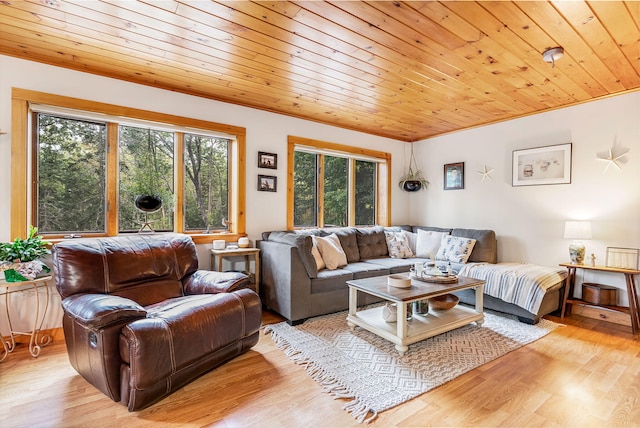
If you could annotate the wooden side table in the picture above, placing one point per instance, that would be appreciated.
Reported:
(36, 341)
(218, 255)
(634, 301)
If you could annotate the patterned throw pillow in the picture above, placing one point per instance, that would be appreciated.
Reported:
(398, 245)
(455, 249)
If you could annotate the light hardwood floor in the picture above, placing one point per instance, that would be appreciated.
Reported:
(586, 373)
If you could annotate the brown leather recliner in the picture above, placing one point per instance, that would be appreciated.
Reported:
(140, 319)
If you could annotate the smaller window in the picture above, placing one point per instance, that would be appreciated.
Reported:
(336, 185)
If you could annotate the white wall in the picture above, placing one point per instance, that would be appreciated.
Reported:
(529, 220)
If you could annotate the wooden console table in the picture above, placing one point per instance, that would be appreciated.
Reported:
(634, 301)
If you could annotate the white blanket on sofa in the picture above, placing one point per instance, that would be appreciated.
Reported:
(522, 284)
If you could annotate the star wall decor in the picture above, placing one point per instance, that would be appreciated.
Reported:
(611, 158)
(486, 173)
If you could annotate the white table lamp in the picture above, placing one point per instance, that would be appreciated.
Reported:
(577, 230)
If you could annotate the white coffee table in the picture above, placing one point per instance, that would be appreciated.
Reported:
(403, 333)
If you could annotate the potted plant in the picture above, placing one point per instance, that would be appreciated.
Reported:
(20, 259)
(413, 180)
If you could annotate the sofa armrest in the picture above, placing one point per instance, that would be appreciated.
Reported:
(211, 282)
(96, 311)
(303, 244)
(285, 285)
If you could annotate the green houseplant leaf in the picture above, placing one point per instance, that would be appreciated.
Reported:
(24, 250)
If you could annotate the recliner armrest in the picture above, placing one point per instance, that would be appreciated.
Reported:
(96, 311)
(211, 282)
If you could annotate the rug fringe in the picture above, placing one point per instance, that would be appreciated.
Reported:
(360, 411)
(330, 384)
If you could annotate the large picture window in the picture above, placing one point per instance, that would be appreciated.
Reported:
(97, 172)
(336, 185)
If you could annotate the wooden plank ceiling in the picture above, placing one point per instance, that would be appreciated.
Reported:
(404, 70)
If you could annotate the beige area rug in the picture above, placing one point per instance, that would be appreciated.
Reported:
(367, 369)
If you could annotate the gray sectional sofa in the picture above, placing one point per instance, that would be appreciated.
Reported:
(292, 285)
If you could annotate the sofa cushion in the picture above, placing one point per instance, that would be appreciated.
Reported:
(366, 270)
(486, 248)
(428, 243)
(371, 242)
(304, 245)
(398, 245)
(332, 253)
(455, 249)
(348, 241)
(331, 280)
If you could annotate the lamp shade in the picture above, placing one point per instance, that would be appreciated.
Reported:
(577, 230)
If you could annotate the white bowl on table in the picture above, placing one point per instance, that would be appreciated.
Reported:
(399, 281)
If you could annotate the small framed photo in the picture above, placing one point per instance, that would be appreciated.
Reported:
(454, 176)
(267, 183)
(267, 160)
(542, 165)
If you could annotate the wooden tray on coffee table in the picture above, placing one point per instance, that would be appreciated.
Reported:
(438, 279)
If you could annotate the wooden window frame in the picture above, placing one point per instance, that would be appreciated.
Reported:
(383, 177)
(21, 185)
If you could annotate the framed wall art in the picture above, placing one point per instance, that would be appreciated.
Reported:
(454, 176)
(267, 160)
(542, 165)
(267, 183)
